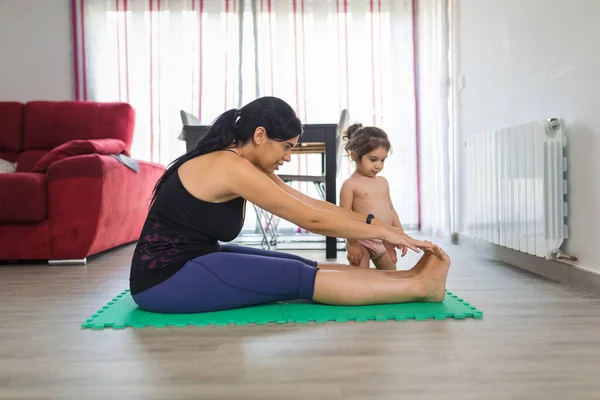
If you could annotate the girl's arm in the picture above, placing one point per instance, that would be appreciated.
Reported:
(346, 200)
(354, 252)
(396, 219)
(346, 197)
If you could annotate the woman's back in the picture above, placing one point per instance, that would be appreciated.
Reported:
(180, 227)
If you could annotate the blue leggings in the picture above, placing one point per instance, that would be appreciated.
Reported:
(234, 277)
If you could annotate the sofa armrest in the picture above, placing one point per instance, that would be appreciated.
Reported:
(80, 147)
(96, 203)
(92, 165)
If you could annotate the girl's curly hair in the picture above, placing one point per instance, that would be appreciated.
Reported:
(364, 139)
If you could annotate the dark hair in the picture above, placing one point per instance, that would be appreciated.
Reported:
(237, 126)
(364, 139)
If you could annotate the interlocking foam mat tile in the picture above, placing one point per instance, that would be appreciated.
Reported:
(122, 312)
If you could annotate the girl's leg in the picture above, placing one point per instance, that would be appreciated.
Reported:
(353, 286)
(385, 263)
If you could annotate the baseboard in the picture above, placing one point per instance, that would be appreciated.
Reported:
(568, 274)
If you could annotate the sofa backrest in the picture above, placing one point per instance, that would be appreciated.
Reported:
(48, 124)
(28, 131)
(11, 130)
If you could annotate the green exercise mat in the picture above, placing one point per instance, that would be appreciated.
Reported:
(122, 312)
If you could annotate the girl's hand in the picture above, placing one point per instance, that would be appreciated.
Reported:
(404, 250)
(354, 253)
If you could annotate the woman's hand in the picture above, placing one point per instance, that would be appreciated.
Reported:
(403, 241)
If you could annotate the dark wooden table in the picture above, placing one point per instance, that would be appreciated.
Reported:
(315, 136)
(326, 134)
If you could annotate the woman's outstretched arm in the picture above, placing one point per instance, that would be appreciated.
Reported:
(327, 206)
(248, 182)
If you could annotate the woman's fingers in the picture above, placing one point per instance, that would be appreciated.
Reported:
(416, 245)
(421, 243)
(413, 248)
(405, 242)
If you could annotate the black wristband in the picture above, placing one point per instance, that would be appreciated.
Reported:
(370, 218)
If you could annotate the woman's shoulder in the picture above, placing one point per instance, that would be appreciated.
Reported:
(233, 163)
(220, 159)
(217, 170)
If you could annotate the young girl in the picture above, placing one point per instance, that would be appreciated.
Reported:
(367, 193)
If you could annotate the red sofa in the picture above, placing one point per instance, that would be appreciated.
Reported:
(70, 197)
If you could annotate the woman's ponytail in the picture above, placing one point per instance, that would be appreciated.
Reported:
(237, 127)
(221, 134)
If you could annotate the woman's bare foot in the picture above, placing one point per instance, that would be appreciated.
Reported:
(416, 270)
(434, 274)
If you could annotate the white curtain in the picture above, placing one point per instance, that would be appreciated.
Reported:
(206, 56)
(324, 56)
(434, 106)
(161, 57)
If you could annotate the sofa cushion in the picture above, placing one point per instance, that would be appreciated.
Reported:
(22, 197)
(79, 147)
(12, 157)
(11, 127)
(27, 159)
(48, 124)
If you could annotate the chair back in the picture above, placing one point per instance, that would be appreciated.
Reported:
(191, 137)
(343, 124)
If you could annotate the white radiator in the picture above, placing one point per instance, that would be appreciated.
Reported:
(516, 187)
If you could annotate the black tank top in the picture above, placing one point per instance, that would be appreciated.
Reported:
(180, 227)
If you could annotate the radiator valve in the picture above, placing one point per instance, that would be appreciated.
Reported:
(554, 124)
(559, 255)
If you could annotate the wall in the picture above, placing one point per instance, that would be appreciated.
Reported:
(536, 59)
(35, 50)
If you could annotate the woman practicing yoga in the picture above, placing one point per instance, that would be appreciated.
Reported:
(179, 266)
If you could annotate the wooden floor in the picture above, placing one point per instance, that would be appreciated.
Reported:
(537, 340)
